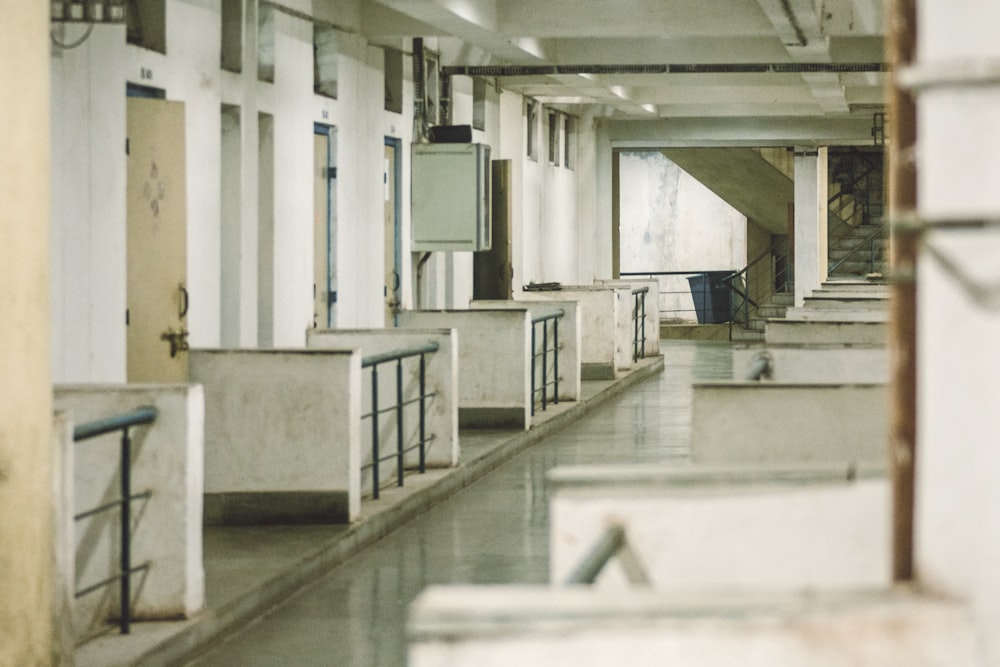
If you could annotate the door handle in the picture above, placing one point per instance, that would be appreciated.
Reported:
(177, 339)
(185, 300)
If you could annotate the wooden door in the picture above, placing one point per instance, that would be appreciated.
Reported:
(157, 296)
(492, 270)
(393, 280)
(324, 254)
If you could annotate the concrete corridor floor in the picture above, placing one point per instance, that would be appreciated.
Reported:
(493, 531)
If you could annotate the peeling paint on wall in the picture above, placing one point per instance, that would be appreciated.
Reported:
(671, 222)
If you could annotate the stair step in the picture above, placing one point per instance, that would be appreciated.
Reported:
(745, 336)
(771, 311)
(782, 299)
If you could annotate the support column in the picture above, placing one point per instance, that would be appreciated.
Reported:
(957, 543)
(26, 623)
(810, 221)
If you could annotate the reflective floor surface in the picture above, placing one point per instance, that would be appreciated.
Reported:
(493, 531)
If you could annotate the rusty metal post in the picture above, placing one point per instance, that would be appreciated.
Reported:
(901, 52)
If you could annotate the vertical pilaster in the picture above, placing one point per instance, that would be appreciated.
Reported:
(810, 221)
(26, 529)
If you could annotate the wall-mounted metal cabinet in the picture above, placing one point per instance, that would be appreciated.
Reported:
(450, 197)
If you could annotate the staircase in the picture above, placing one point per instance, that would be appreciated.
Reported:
(753, 331)
(860, 252)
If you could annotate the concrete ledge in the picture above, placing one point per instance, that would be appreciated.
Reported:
(276, 507)
(543, 625)
(597, 371)
(788, 423)
(491, 418)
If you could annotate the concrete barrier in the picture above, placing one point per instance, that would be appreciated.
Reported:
(727, 529)
(570, 337)
(282, 435)
(166, 460)
(651, 323)
(773, 423)
(843, 332)
(605, 321)
(440, 380)
(539, 626)
(494, 362)
(811, 363)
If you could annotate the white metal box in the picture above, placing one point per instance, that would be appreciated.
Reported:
(450, 197)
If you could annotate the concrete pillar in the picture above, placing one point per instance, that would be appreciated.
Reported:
(957, 543)
(26, 635)
(810, 221)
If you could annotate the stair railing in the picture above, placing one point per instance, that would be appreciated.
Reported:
(739, 282)
(869, 241)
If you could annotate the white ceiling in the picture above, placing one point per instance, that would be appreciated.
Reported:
(661, 32)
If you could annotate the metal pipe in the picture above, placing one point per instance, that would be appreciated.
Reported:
(695, 68)
(399, 422)
(555, 360)
(143, 415)
(376, 359)
(533, 357)
(125, 586)
(423, 408)
(901, 52)
(375, 460)
(545, 363)
(594, 561)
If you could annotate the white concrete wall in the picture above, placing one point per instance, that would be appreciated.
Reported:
(167, 460)
(726, 530)
(494, 359)
(668, 221)
(539, 626)
(651, 323)
(812, 363)
(957, 545)
(440, 379)
(570, 336)
(606, 347)
(88, 294)
(280, 425)
(774, 423)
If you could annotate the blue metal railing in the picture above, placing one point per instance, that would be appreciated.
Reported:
(543, 354)
(639, 323)
(373, 362)
(122, 422)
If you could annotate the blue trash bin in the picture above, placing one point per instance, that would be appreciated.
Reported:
(713, 298)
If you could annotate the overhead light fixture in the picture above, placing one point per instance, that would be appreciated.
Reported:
(88, 11)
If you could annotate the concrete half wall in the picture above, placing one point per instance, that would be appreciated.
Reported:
(494, 360)
(282, 435)
(722, 529)
(569, 337)
(788, 423)
(166, 460)
(541, 626)
(440, 382)
(605, 345)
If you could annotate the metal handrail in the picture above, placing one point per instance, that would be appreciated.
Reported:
(544, 320)
(600, 554)
(745, 271)
(611, 543)
(397, 356)
(122, 422)
(869, 238)
(639, 323)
